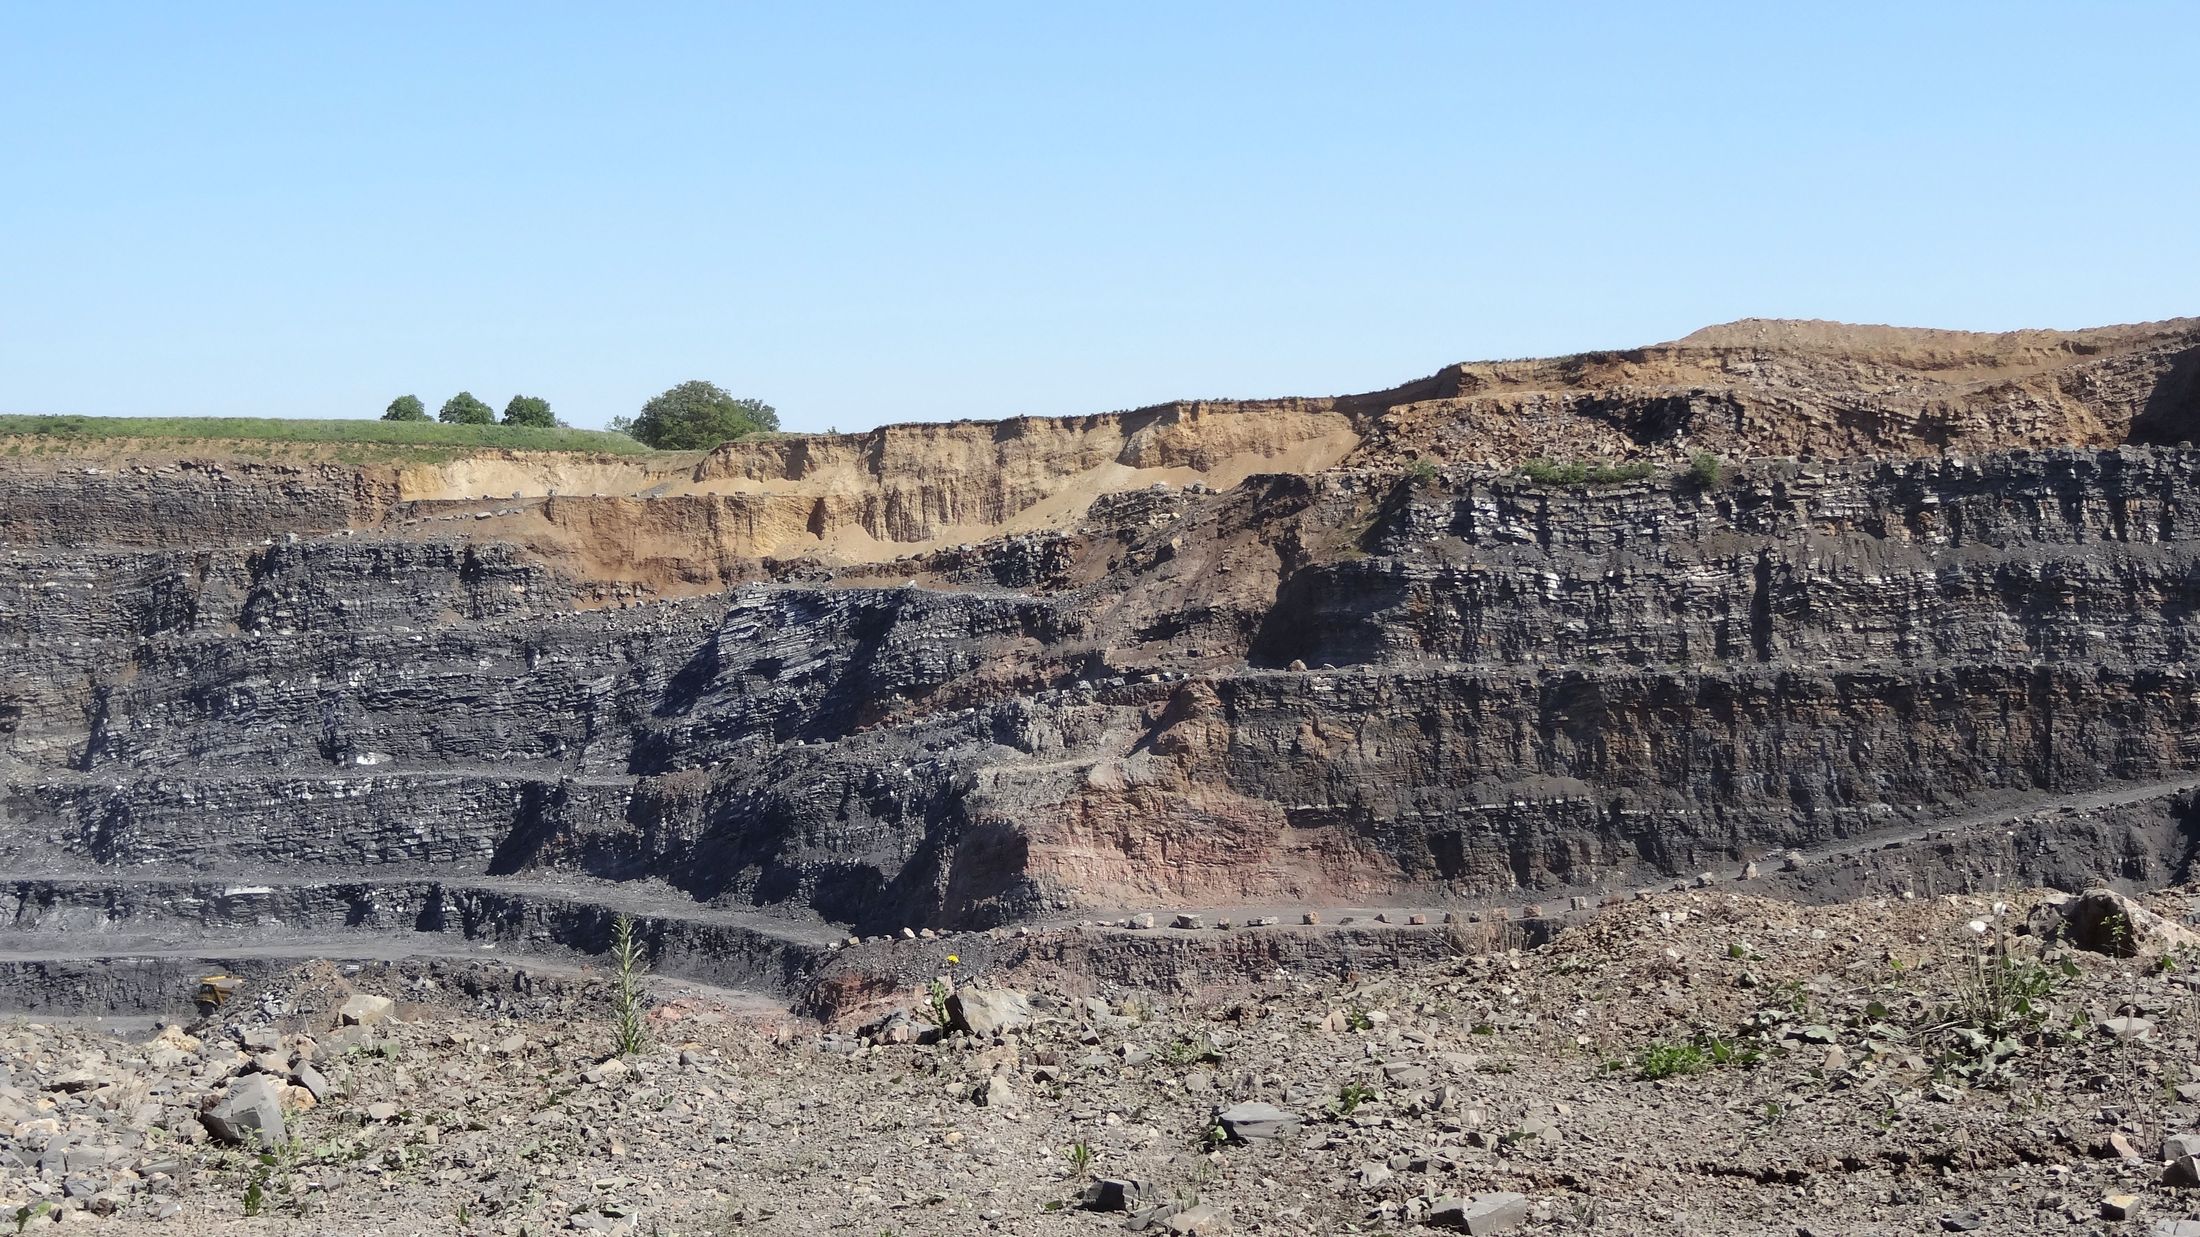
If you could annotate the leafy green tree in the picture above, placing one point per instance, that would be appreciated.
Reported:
(696, 416)
(464, 409)
(406, 408)
(530, 410)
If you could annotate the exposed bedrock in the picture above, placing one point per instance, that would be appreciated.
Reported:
(1351, 686)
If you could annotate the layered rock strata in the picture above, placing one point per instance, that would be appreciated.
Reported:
(1267, 655)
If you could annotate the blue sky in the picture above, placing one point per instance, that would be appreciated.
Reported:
(873, 213)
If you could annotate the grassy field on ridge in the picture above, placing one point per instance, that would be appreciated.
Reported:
(365, 432)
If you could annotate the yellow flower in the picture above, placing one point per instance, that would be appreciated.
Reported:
(952, 960)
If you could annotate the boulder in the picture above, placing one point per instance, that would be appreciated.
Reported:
(365, 1010)
(252, 1112)
(986, 1011)
(2103, 921)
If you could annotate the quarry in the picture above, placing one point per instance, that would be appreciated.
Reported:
(1384, 813)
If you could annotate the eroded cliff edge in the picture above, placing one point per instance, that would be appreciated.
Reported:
(1266, 654)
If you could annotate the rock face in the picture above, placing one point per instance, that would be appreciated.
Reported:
(1201, 655)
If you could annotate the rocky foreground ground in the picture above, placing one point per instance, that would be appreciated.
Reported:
(1700, 1062)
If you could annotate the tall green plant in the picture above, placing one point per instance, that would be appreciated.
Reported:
(628, 966)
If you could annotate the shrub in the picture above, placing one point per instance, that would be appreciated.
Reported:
(405, 408)
(1704, 469)
(464, 409)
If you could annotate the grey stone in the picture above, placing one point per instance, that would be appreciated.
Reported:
(252, 1112)
(1196, 1220)
(2104, 921)
(366, 1010)
(1484, 1213)
(1406, 1075)
(988, 1011)
(1146, 1219)
(1119, 1194)
(995, 1092)
(1253, 1121)
(72, 1081)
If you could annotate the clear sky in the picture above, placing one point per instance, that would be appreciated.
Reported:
(870, 213)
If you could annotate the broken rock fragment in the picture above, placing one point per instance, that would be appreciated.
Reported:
(986, 1011)
(252, 1112)
(1257, 1122)
(1484, 1213)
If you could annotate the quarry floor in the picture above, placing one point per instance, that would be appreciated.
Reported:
(1701, 1062)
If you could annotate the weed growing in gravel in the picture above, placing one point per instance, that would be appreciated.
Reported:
(1357, 1018)
(1351, 1095)
(29, 1212)
(1670, 1061)
(1794, 996)
(1186, 1050)
(1080, 1160)
(626, 961)
(1676, 1060)
(2000, 1002)
(935, 1003)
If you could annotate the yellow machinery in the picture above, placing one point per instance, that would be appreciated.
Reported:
(215, 991)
